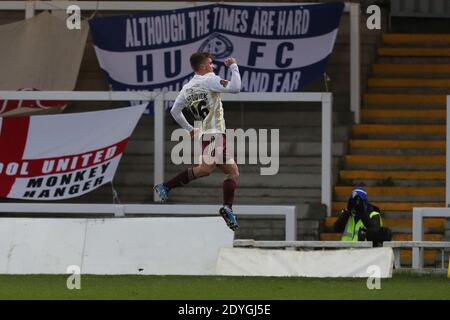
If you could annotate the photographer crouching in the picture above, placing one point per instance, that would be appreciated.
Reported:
(361, 221)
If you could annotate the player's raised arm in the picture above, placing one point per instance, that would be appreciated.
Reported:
(230, 86)
(177, 113)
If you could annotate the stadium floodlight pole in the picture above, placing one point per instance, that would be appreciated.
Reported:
(447, 156)
(355, 70)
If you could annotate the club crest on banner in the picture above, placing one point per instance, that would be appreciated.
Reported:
(218, 45)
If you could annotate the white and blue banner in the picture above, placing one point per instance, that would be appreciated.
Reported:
(278, 49)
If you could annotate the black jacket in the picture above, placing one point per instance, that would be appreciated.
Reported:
(362, 213)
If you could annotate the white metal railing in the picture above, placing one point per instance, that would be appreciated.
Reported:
(419, 245)
(353, 9)
(326, 100)
(417, 232)
(302, 244)
(121, 210)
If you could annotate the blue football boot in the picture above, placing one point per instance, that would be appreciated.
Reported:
(229, 217)
(162, 191)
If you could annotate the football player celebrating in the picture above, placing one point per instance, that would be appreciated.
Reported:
(201, 95)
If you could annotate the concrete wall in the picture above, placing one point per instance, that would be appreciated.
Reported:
(317, 264)
(113, 246)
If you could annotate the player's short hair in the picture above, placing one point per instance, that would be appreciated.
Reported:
(198, 58)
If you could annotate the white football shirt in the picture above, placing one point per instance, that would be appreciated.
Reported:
(201, 95)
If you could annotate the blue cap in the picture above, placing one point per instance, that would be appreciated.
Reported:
(358, 192)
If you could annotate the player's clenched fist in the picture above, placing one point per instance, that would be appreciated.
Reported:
(229, 61)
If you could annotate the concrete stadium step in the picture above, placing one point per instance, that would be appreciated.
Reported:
(358, 165)
(377, 159)
(298, 133)
(131, 163)
(380, 98)
(415, 38)
(394, 182)
(281, 180)
(146, 130)
(397, 152)
(216, 190)
(403, 116)
(262, 117)
(412, 85)
(389, 180)
(409, 60)
(394, 193)
(397, 144)
(407, 90)
(403, 106)
(274, 107)
(398, 129)
(431, 225)
(254, 169)
(138, 162)
(172, 169)
(413, 52)
(408, 237)
(393, 206)
(307, 134)
(395, 167)
(411, 69)
(179, 199)
(397, 147)
(386, 197)
(279, 107)
(401, 175)
(194, 193)
(408, 83)
(299, 149)
(301, 130)
(400, 136)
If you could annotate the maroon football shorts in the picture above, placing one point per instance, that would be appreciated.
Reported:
(214, 149)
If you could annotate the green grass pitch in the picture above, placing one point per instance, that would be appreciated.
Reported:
(401, 286)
